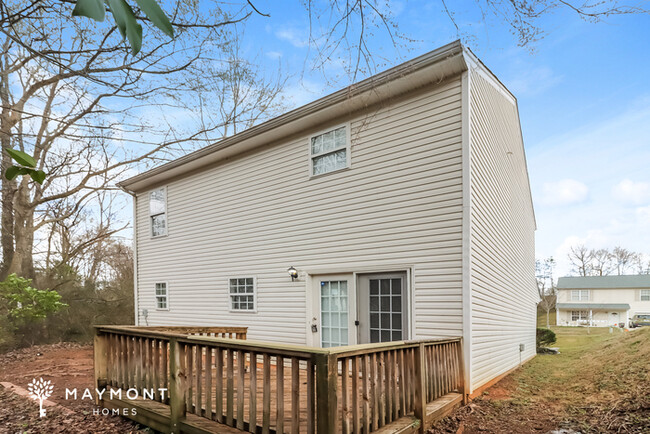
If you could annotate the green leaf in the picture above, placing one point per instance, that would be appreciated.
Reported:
(127, 24)
(14, 171)
(90, 8)
(38, 175)
(21, 157)
(153, 11)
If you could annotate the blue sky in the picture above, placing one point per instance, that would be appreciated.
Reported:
(584, 101)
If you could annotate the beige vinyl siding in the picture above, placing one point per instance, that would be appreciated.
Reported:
(256, 214)
(502, 270)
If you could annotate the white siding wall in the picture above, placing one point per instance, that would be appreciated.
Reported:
(259, 213)
(502, 276)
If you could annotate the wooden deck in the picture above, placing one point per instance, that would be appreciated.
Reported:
(157, 416)
(215, 381)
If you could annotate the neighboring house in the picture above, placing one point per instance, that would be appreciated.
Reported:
(402, 202)
(602, 300)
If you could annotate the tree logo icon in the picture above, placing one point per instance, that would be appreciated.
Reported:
(40, 390)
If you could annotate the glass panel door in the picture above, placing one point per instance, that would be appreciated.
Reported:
(385, 310)
(334, 313)
(382, 307)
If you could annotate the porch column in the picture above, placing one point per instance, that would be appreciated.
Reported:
(591, 318)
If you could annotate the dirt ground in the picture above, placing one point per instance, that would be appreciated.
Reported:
(67, 366)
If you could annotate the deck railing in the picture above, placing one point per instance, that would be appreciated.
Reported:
(270, 388)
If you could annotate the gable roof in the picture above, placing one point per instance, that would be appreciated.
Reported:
(430, 68)
(604, 282)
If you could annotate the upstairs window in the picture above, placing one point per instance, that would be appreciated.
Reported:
(645, 295)
(330, 151)
(161, 296)
(242, 294)
(158, 212)
(580, 295)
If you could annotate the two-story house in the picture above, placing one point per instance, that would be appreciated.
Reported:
(397, 208)
(602, 301)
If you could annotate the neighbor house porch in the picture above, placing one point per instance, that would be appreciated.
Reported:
(593, 314)
(217, 381)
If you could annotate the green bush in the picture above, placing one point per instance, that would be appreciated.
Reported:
(23, 310)
(545, 337)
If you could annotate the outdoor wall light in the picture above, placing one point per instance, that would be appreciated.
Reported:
(293, 273)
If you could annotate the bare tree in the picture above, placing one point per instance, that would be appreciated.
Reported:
(641, 264)
(546, 286)
(601, 262)
(75, 99)
(580, 259)
(623, 259)
(525, 18)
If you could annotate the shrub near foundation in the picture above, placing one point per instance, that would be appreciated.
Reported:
(545, 337)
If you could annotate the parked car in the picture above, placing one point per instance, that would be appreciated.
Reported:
(640, 320)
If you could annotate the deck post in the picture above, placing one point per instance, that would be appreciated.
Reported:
(326, 393)
(176, 385)
(464, 384)
(100, 362)
(420, 404)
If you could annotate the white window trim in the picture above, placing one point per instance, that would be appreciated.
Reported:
(641, 291)
(151, 235)
(580, 318)
(580, 295)
(243, 311)
(155, 296)
(347, 148)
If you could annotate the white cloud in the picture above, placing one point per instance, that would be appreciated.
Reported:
(564, 192)
(302, 93)
(631, 192)
(274, 54)
(294, 37)
(532, 81)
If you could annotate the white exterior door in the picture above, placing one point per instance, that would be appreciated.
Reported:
(333, 322)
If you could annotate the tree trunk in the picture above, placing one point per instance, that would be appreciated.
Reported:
(22, 262)
(8, 187)
(7, 225)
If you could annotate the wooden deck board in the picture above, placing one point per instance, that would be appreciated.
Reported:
(156, 416)
(436, 410)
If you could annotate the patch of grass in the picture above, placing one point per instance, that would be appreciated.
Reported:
(597, 378)
(541, 318)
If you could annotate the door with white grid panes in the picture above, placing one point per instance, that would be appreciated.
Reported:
(334, 312)
(382, 308)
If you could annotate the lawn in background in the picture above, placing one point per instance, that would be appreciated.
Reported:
(600, 382)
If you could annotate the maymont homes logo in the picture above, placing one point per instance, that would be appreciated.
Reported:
(40, 390)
